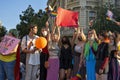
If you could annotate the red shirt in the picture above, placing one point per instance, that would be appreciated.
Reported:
(45, 50)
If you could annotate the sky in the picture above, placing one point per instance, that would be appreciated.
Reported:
(11, 9)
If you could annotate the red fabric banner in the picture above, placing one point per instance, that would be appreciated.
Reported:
(17, 65)
(66, 18)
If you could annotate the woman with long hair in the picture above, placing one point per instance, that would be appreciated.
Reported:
(78, 51)
(53, 49)
(65, 58)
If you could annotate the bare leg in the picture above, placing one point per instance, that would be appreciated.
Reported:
(62, 74)
(98, 77)
(104, 77)
(68, 74)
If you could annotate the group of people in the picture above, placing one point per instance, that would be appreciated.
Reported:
(95, 56)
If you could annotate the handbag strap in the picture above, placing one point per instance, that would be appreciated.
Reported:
(26, 41)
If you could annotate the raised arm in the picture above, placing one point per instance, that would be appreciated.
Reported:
(74, 37)
(48, 31)
(82, 55)
(83, 35)
(58, 29)
(95, 35)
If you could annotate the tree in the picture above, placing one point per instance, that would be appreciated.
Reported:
(3, 31)
(29, 17)
(101, 23)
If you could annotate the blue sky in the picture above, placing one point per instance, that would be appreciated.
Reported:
(11, 9)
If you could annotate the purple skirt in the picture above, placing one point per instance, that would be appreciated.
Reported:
(53, 70)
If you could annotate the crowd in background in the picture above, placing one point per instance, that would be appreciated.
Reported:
(95, 56)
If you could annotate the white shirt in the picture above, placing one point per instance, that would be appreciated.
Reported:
(34, 58)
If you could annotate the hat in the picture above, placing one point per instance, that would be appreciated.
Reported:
(14, 32)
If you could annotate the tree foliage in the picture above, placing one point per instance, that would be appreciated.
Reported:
(29, 17)
(101, 23)
(3, 31)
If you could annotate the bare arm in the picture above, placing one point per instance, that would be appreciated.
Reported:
(58, 29)
(14, 50)
(83, 35)
(53, 29)
(74, 37)
(118, 23)
(95, 35)
(82, 56)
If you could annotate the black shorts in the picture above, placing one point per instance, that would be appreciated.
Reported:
(66, 64)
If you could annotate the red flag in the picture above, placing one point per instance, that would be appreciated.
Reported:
(66, 18)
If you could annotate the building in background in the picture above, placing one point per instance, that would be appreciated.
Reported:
(87, 10)
(117, 3)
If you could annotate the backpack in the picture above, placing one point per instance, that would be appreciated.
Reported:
(23, 54)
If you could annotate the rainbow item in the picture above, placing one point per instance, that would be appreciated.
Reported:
(77, 77)
(50, 11)
(53, 14)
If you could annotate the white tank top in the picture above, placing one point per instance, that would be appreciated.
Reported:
(78, 49)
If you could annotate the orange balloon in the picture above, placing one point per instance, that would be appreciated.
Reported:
(41, 42)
